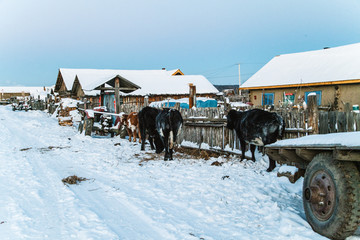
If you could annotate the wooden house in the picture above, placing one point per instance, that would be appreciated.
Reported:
(332, 73)
(64, 81)
(159, 88)
(133, 86)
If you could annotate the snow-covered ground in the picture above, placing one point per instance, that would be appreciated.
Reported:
(130, 194)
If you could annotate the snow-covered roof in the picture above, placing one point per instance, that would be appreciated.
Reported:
(178, 84)
(92, 78)
(33, 91)
(149, 81)
(325, 65)
(68, 76)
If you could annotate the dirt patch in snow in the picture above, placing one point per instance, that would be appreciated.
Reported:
(25, 149)
(198, 153)
(73, 180)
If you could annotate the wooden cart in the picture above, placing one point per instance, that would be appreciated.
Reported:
(331, 188)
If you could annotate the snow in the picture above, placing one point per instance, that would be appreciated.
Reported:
(325, 65)
(286, 168)
(130, 194)
(239, 104)
(348, 139)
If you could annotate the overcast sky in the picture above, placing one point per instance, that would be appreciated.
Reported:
(204, 37)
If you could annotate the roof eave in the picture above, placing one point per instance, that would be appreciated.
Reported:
(302, 85)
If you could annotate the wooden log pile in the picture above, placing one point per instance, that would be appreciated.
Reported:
(64, 117)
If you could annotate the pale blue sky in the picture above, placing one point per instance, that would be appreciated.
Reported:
(198, 36)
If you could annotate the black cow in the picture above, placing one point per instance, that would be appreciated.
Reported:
(147, 125)
(257, 127)
(168, 124)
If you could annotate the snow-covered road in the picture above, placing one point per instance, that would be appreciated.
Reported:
(131, 194)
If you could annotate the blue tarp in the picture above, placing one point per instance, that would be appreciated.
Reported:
(199, 104)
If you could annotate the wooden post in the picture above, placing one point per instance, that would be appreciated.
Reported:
(313, 113)
(117, 96)
(146, 101)
(102, 93)
(192, 95)
(349, 120)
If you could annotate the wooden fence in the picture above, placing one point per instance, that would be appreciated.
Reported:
(213, 131)
(208, 125)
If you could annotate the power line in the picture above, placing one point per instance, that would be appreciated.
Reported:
(245, 74)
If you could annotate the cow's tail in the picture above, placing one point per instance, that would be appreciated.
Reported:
(171, 133)
(171, 139)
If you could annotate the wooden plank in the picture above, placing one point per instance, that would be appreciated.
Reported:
(332, 122)
(323, 123)
(274, 154)
(292, 157)
(346, 155)
(350, 122)
(357, 121)
(341, 122)
(306, 154)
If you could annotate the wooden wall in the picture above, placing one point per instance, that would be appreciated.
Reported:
(346, 93)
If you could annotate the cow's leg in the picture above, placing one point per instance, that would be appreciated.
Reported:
(134, 135)
(166, 157)
(252, 149)
(166, 144)
(242, 146)
(143, 145)
(151, 141)
(272, 165)
(171, 154)
(139, 134)
(129, 133)
(143, 136)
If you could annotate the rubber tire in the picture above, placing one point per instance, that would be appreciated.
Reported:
(345, 219)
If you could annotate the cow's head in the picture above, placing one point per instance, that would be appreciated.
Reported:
(231, 118)
(123, 119)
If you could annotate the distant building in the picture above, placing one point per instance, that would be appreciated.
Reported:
(332, 73)
(24, 92)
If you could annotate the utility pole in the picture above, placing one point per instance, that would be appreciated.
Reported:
(239, 80)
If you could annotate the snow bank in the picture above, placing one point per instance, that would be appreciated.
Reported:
(133, 194)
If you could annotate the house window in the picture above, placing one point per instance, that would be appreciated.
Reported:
(318, 96)
(268, 99)
(289, 98)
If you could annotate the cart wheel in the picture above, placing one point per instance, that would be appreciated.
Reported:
(331, 196)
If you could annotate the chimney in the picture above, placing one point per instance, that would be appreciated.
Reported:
(163, 69)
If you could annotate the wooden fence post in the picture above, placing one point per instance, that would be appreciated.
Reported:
(192, 95)
(117, 96)
(313, 113)
(323, 123)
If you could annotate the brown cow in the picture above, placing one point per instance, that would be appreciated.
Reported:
(131, 123)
